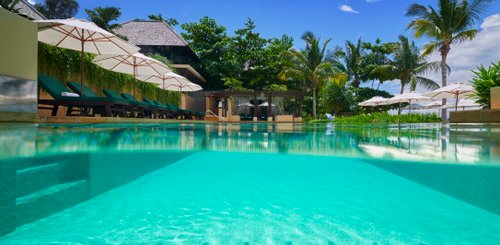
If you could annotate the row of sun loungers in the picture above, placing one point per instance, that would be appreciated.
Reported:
(112, 105)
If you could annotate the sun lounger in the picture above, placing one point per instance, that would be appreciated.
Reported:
(86, 106)
(120, 103)
(136, 110)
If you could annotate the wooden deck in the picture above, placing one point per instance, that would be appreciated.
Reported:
(49, 119)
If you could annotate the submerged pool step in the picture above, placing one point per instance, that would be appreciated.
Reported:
(33, 179)
(50, 200)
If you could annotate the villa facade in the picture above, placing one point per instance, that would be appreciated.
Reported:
(159, 37)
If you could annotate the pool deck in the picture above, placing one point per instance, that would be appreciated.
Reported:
(48, 119)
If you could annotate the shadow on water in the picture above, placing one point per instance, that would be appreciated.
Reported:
(36, 187)
(478, 185)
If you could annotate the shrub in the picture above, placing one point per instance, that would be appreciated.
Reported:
(384, 118)
(483, 80)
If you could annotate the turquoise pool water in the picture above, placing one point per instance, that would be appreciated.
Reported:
(249, 184)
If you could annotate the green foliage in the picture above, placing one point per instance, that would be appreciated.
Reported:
(406, 66)
(384, 118)
(234, 84)
(245, 57)
(58, 9)
(170, 21)
(65, 65)
(484, 79)
(336, 98)
(10, 5)
(163, 60)
(103, 16)
(311, 67)
(211, 43)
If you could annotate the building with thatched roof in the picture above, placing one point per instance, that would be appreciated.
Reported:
(27, 10)
(158, 37)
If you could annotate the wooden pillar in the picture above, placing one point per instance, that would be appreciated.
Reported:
(270, 106)
(229, 107)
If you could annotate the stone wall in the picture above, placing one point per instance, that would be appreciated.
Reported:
(18, 68)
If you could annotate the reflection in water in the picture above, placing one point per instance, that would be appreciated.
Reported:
(465, 144)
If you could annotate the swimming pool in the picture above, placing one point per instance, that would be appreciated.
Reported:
(249, 184)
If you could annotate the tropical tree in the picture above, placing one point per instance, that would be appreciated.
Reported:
(103, 16)
(211, 43)
(310, 65)
(484, 79)
(450, 23)
(407, 65)
(58, 9)
(10, 5)
(170, 21)
(351, 61)
(336, 97)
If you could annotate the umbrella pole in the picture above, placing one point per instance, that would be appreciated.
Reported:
(456, 103)
(135, 74)
(83, 63)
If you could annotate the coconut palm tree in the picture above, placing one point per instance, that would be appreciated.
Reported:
(351, 61)
(450, 23)
(407, 65)
(102, 17)
(310, 65)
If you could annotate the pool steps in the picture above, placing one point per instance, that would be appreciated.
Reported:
(37, 187)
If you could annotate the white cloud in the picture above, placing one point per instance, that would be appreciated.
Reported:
(466, 56)
(347, 8)
(31, 2)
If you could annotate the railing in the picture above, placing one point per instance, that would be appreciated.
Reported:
(209, 112)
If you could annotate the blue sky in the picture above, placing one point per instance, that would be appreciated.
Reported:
(375, 18)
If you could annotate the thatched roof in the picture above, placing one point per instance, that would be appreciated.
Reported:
(25, 8)
(150, 32)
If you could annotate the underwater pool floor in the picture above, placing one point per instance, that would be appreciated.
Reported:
(237, 198)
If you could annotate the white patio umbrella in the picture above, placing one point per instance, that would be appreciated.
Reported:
(136, 64)
(172, 81)
(413, 107)
(431, 105)
(266, 104)
(375, 101)
(453, 91)
(406, 98)
(83, 36)
(246, 104)
(463, 103)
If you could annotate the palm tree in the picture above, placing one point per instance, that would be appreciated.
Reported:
(451, 23)
(310, 65)
(407, 65)
(351, 61)
(10, 5)
(102, 17)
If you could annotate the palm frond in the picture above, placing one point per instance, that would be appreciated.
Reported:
(425, 82)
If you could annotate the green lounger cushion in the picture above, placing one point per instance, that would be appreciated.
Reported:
(88, 93)
(133, 101)
(54, 87)
(161, 105)
(151, 103)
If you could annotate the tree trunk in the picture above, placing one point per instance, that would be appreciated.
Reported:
(401, 104)
(355, 83)
(314, 102)
(444, 55)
